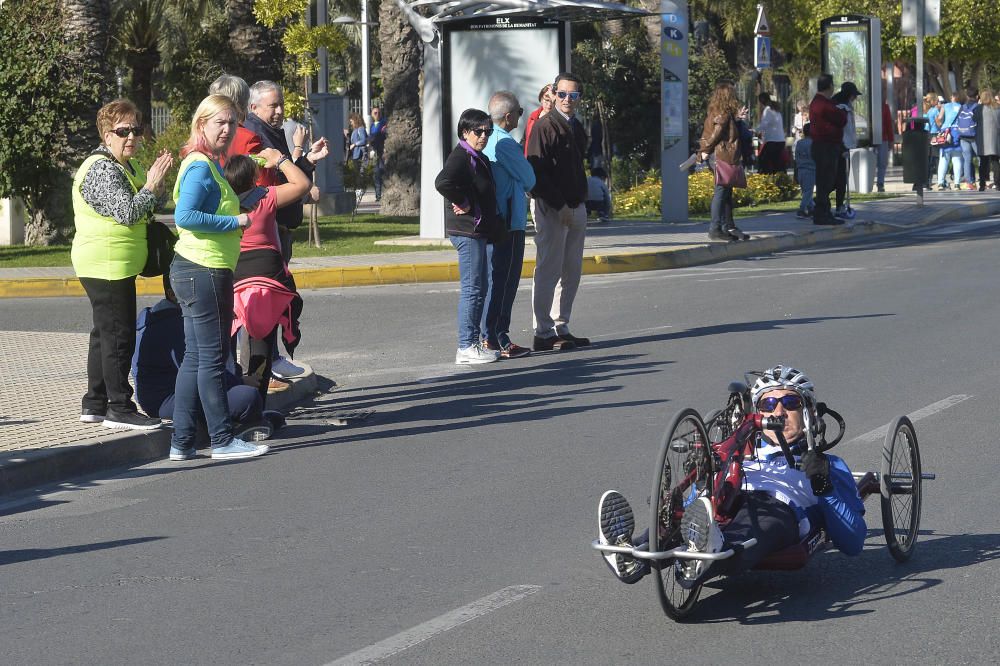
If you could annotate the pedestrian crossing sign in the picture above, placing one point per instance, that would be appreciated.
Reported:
(762, 52)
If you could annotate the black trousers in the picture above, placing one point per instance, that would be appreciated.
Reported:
(112, 343)
(769, 520)
(826, 156)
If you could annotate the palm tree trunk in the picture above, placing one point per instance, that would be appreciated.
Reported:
(256, 50)
(401, 57)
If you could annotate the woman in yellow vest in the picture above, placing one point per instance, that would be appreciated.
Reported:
(209, 225)
(113, 198)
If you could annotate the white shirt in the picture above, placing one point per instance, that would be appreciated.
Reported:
(771, 126)
(770, 473)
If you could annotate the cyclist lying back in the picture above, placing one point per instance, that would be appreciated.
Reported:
(781, 504)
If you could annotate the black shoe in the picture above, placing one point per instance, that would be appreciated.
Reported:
(129, 421)
(829, 220)
(276, 419)
(880, 188)
(578, 342)
(550, 344)
(92, 415)
(718, 234)
(736, 234)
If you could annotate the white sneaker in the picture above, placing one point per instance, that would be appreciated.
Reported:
(701, 534)
(282, 367)
(475, 354)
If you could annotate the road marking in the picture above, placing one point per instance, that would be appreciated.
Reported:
(958, 228)
(384, 649)
(808, 271)
(878, 434)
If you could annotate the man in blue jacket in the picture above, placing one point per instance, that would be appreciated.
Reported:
(781, 504)
(513, 177)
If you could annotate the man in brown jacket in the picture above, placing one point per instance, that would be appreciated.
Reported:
(556, 150)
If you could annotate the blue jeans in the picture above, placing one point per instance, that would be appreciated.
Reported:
(722, 207)
(807, 181)
(472, 279)
(206, 299)
(505, 261)
(951, 154)
(968, 152)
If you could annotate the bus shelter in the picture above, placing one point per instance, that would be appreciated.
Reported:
(472, 49)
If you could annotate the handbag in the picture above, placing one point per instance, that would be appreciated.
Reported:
(160, 241)
(941, 138)
(730, 175)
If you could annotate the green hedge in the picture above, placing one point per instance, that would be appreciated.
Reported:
(761, 189)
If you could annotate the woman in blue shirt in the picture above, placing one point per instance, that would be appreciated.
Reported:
(210, 224)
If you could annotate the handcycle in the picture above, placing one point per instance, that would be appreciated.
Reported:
(704, 457)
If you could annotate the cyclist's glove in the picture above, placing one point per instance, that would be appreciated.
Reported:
(816, 466)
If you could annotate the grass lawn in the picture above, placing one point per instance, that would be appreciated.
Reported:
(337, 233)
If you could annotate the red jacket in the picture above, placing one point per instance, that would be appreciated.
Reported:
(826, 121)
(530, 123)
(247, 142)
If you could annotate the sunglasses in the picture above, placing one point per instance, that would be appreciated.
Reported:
(480, 131)
(573, 96)
(789, 402)
(123, 132)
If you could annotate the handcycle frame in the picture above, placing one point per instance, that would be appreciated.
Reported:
(713, 466)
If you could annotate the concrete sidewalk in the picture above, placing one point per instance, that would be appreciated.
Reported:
(44, 376)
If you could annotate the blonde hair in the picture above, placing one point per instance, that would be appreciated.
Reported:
(209, 107)
(986, 98)
(235, 89)
(930, 99)
(115, 112)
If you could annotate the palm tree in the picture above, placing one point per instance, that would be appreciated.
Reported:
(256, 50)
(86, 24)
(401, 56)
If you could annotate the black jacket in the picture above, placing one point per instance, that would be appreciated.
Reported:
(459, 184)
(556, 152)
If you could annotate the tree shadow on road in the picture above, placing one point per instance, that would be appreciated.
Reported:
(525, 393)
(32, 554)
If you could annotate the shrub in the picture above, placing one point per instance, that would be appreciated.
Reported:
(171, 139)
(761, 189)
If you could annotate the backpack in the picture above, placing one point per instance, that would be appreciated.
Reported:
(965, 123)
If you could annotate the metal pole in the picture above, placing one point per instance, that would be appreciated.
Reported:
(921, 13)
(323, 80)
(366, 97)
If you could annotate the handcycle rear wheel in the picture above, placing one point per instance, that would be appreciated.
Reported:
(683, 472)
(901, 488)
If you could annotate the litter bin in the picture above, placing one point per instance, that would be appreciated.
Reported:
(916, 151)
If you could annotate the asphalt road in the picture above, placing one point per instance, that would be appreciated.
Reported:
(453, 527)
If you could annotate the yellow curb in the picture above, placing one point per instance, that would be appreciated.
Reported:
(600, 264)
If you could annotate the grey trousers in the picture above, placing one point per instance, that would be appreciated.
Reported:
(559, 237)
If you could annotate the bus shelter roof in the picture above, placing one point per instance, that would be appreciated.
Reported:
(560, 10)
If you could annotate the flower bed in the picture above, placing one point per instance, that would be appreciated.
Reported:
(645, 198)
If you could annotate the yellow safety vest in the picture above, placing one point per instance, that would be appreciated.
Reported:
(103, 248)
(212, 249)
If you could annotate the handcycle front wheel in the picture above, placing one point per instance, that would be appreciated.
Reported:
(683, 472)
(901, 488)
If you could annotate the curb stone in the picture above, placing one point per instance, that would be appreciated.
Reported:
(598, 264)
(21, 470)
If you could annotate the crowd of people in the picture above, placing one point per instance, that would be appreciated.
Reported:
(244, 176)
(486, 181)
(238, 196)
(965, 144)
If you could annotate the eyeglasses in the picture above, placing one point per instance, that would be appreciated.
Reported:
(790, 402)
(573, 96)
(480, 131)
(123, 132)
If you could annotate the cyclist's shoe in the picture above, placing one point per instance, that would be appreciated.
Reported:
(702, 535)
(615, 526)
(845, 213)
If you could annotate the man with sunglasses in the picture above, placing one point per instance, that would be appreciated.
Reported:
(780, 504)
(557, 148)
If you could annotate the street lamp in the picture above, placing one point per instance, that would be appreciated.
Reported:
(366, 101)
